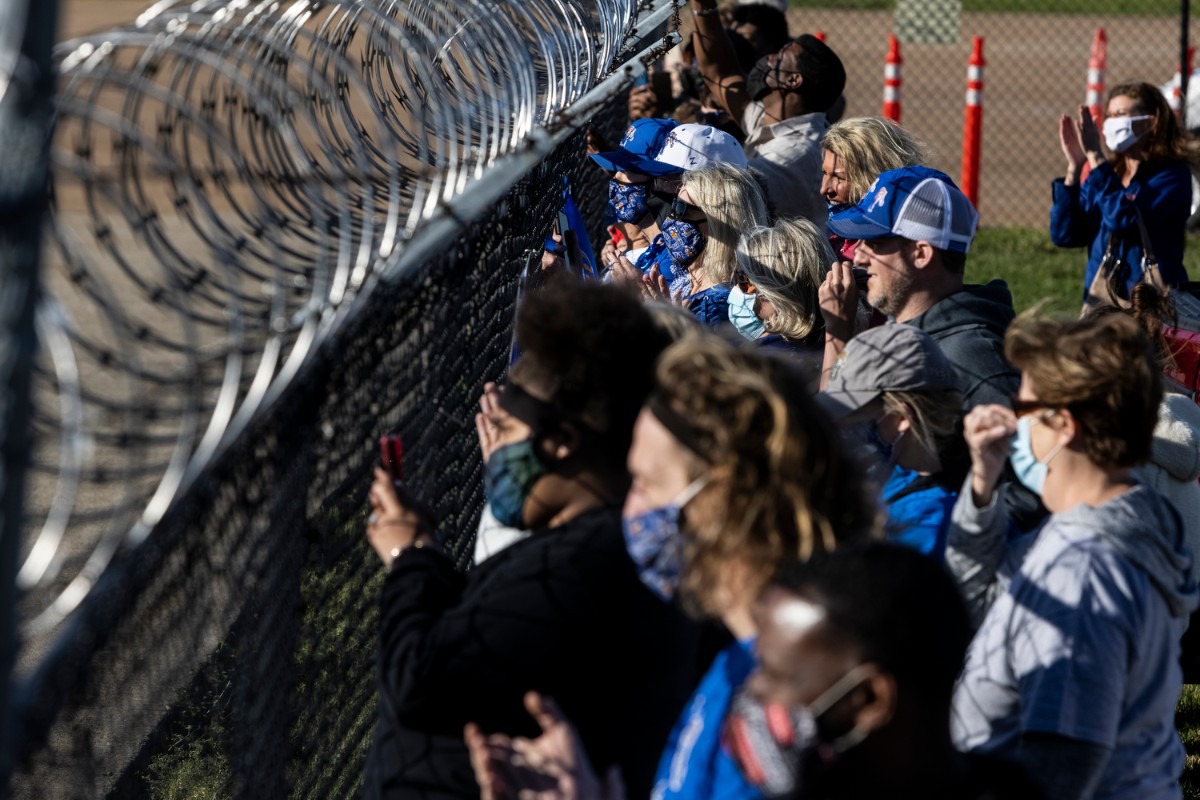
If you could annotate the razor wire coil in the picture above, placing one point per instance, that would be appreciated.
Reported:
(228, 179)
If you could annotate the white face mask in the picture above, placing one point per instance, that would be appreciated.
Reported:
(1118, 132)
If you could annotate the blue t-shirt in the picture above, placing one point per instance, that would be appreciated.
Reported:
(694, 765)
(918, 519)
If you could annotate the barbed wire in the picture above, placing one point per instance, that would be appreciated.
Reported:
(229, 178)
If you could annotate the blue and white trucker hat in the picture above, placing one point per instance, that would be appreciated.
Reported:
(917, 203)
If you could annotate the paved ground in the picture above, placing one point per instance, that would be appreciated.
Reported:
(1036, 70)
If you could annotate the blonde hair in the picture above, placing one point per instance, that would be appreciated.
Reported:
(733, 202)
(781, 486)
(869, 146)
(787, 264)
(934, 418)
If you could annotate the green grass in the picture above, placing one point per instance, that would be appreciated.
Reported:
(1038, 271)
(1034, 268)
(1187, 720)
(1143, 8)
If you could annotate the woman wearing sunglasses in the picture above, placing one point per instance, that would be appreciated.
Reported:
(1075, 669)
(895, 385)
(712, 209)
(773, 301)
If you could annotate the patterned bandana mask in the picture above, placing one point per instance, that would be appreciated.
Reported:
(627, 200)
(774, 745)
(684, 241)
(655, 544)
(508, 477)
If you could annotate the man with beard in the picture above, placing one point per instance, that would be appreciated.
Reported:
(781, 106)
(914, 229)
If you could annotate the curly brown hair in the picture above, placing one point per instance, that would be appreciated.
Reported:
(1103, 370)
(781, 485)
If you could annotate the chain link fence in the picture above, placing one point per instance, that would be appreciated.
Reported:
(240, 307)
(1037, 55)
(277, 233)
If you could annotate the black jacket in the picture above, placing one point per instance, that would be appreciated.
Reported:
(969, 326)
(562, 612)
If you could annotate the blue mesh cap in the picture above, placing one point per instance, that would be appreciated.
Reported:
(644, 139)
(917, 203)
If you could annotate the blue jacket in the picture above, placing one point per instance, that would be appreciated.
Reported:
(710, 306)
(918, 512)
(1087, 214)
(695, 765)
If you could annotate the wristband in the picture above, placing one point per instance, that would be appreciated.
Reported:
(416, 544)
(705, 12)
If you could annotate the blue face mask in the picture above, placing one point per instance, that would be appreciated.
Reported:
(627, 200)
(1029, 471)
(684, 241)
(655, 544)
(741, 314)
(508, 477)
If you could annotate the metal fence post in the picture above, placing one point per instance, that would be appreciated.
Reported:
(25, 114)
(1185, 63)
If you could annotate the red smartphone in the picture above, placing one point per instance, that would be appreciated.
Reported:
(391, 456)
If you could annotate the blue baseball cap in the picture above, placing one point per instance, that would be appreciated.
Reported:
(917, 203)
(643, 141)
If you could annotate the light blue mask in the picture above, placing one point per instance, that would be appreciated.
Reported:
(1029, 471)
(741, 314)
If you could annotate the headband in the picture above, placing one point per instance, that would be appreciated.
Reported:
(675, 424)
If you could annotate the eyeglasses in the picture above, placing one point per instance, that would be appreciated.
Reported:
(1023, 408)
(681, 209)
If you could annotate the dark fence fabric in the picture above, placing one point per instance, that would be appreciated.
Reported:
(233, 656)
(236, 651)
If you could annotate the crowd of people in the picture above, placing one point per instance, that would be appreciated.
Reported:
(780, 505)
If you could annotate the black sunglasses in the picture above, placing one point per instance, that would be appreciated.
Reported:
(680, 209)
(1023, 408)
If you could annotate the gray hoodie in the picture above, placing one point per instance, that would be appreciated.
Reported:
(1084, 641)
(984, 553)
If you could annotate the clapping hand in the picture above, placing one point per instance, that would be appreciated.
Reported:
(553, 766)
(495, 426)
(1080, 141)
